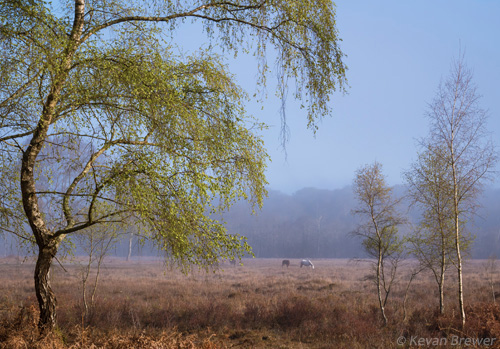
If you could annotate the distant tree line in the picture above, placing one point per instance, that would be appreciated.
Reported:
(289, 226)
(310, 223)
(316, 223)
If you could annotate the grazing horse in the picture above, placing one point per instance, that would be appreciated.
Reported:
(306, 263)
(285, 262)
(233, 262)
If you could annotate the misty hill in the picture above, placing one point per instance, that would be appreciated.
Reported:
(310, 223)
(313, 223)
(316, 223)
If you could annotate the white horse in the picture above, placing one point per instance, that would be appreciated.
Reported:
(306, 263)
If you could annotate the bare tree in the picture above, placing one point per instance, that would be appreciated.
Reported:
(413, 274)
(379, 228)
(96, 244)
(459, 139)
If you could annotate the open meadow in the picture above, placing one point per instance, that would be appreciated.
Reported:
(260, 304)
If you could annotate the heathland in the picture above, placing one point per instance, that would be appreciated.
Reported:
(259, 304)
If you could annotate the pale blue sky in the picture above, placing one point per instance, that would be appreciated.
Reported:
(398, 51)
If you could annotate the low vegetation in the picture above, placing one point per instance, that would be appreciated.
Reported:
(142, 304)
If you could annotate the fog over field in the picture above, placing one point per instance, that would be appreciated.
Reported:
(314, 223)
(317, 224)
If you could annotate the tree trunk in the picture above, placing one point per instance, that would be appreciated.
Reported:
(441, 279)
(129, 255)
(457, 247)
(47, 243)
(44, 294)
(379, 290)
(460, 286)
(459, 265)
(457, 234)
(413, 274)
(441, 298)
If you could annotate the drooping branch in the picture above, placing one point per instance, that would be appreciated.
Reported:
(88, 166)
(100, 220)
(65, 205)
(155, 19)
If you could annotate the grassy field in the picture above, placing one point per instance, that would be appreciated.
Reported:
(143, 304)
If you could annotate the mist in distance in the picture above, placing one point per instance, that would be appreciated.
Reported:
(312, 223)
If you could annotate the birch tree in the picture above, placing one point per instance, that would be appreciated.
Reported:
(146, 132)
(432, 241)
(379, 228)
(459, 140)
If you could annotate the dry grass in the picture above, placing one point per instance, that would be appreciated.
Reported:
(258, 305)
